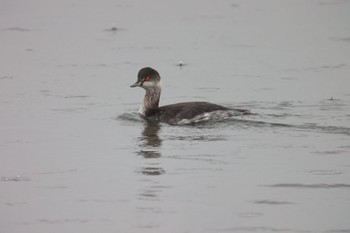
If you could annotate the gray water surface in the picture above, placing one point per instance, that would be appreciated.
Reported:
(76, 157)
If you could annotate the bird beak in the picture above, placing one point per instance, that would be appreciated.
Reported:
(137, 84)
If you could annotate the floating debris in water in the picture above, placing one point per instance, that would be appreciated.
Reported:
(113, 29)
(180, 64)
(332, 99)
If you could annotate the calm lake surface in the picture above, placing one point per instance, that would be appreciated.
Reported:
(76, 157)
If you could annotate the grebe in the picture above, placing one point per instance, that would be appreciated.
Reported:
(180, 113)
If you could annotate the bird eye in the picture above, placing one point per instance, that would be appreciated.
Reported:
(147, 78)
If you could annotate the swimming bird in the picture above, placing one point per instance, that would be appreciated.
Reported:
(179, 113)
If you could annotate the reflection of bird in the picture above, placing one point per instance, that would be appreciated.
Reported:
(180, 113)
(150, 134)
(150, 140)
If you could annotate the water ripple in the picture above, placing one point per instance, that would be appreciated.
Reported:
(17, 178)
(152, 171)
(270, 202)
(258, 229)
(129, 117)
(309, 186)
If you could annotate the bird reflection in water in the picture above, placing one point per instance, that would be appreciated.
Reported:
(149, 148)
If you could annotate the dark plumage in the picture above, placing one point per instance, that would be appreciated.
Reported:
(188, 110)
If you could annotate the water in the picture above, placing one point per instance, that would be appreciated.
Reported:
(76, 157)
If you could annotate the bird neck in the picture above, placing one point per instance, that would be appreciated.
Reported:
(150, 101)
